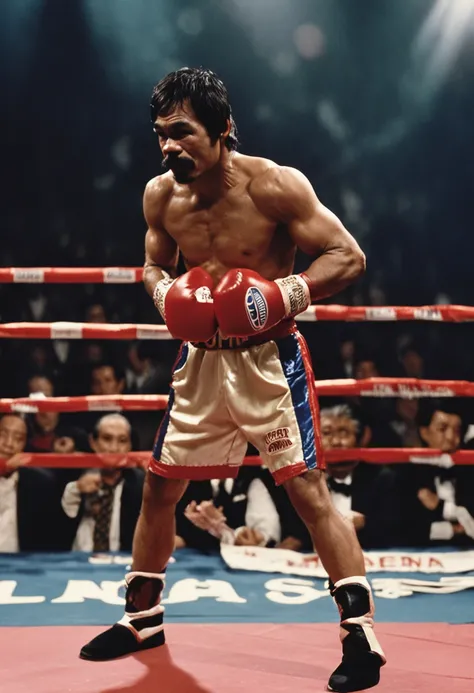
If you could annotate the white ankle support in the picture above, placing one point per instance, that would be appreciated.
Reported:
(366, 621)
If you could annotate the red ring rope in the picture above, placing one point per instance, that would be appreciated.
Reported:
(78, 330)
(408, 388)
(81, 330)
(373, 387)
(71, 275)
(81, 460)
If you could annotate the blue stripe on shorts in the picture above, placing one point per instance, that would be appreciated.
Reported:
(291, 359)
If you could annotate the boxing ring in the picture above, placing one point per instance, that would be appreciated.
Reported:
(224, 655)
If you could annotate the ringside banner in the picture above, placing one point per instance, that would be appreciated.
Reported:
(81, 589)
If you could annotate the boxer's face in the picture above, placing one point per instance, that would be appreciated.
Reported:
(12, 436)
(185, 144)
(443, 432)
(339, 432)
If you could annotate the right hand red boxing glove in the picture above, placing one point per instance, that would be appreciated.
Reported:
(186, 305)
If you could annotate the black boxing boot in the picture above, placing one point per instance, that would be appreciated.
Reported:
(140, 628)
(362, 655)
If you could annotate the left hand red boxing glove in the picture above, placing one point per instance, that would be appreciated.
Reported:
(246, 303)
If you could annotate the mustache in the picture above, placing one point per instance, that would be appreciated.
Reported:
(183, 163)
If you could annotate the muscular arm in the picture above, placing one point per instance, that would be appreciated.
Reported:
(161, 251)
(315, 230)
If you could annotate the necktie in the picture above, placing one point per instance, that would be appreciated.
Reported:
(103, 514)
(339, 486)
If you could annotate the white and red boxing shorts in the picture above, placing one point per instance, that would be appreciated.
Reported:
(228, 394)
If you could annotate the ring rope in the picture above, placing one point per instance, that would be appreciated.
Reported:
(130, 275)
(64, 329)
(83, 330)
(408, 388)
(79, 460)
(71, 275)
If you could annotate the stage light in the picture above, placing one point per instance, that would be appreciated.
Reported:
(438, 45)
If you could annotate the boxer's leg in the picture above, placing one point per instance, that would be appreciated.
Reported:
(197, 439)
(280, 417)
(155, 532)
(141, 626)
(337, 546)
(333, 536)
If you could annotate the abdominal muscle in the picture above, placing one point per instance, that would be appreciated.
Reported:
(241, 243)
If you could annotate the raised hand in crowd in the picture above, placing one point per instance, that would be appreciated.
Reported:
(90, 482)
(206, 516)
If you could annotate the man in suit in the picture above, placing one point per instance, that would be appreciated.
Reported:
(364, 493)
(438, 505)
(103, 506)
(233, 511)
(29, 499)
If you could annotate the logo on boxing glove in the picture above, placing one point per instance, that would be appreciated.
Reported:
(257, 308)
(203, 295)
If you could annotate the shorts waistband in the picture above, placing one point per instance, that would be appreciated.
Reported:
(283, 329)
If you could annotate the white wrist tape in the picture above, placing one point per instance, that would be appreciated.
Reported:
(159, 293)
(295, 293)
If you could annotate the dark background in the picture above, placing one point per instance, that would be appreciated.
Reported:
(373, 100)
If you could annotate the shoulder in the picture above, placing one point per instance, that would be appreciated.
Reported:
(282, 192)
(157, 193)
(159, 187)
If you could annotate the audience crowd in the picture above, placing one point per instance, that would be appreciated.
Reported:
(390, 505)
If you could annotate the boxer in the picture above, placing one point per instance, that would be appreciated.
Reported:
(243, 372)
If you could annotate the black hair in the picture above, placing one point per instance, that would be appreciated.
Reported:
(119, 372)
(447, 405)
(16, 415)
(207, 96)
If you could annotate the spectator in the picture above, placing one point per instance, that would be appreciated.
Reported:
(376, 412)
(39, 358)
(365, 367)
(148, 373)
(89, 353)
(364, 493)
(48, 432)
(438, 505)
(233, 511)
(412, 362)
(95, 313)
(405, 424)
(40, 383)
(103, 505)
(29, 499)
(347, 354)
(144, 375)
(107, 379)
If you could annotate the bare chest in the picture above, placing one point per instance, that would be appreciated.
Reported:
(230, 231)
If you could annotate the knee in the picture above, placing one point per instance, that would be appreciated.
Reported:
(309, 494)
(158, 491)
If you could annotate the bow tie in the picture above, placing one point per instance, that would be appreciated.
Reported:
(339, 486)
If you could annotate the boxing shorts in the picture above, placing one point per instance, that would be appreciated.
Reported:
(227, 393)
